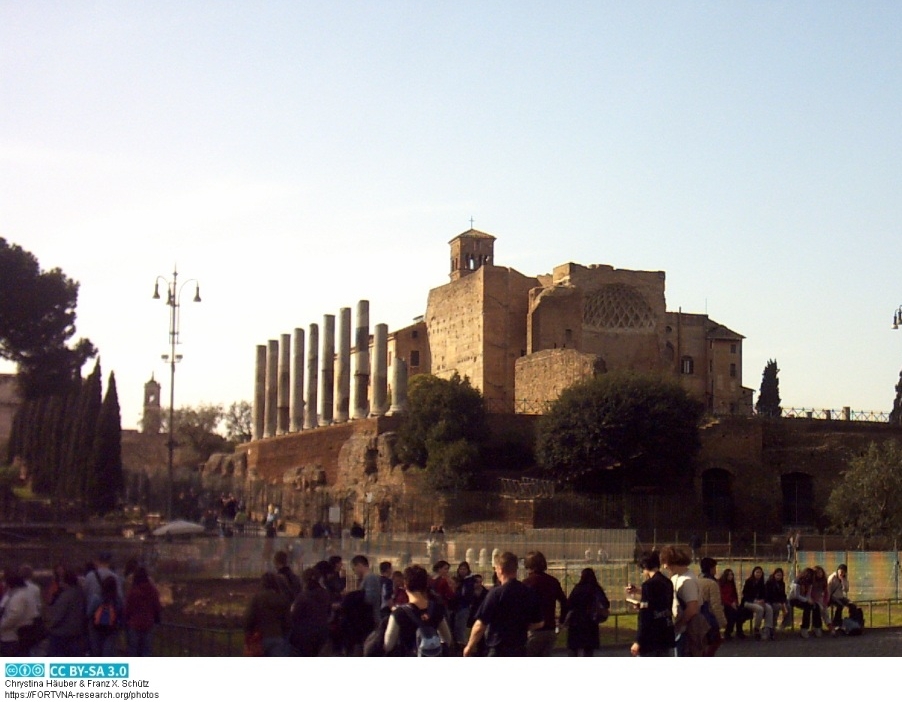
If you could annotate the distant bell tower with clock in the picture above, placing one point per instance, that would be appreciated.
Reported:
(151, 422)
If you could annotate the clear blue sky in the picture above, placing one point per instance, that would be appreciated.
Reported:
(298, 156)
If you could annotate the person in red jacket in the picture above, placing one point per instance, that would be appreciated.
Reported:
(142, 612)
(732, 609)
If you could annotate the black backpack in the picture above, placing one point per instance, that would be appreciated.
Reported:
(854, 624)
(426, 642)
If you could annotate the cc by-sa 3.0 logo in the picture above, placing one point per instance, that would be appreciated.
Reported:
(24, 669)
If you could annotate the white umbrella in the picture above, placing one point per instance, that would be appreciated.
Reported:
(178, 527)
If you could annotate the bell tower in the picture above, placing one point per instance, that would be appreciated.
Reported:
(151, 421)
(469, 251)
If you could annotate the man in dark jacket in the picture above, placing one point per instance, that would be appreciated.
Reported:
(548, 588)
(509, 612)
(655, 636)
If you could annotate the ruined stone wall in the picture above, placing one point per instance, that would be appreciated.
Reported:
(411, 344)
(271, 459)
(477, 328)
(618, 315)
(555, 318)
(506, 300)
(543, 376)
(726, 382)
(758, 453)
(454, 320)
(686, 334)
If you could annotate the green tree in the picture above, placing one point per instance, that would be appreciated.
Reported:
(443, 430)
(198, 428)
(239, 422)
(867, 502)
(768, 404)
(37, 319)
(620, 430)
(106, 481)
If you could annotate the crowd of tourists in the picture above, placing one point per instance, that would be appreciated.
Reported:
(95, 612)
(416, 612)
(691, 616)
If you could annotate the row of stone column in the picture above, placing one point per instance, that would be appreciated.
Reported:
(286, 381)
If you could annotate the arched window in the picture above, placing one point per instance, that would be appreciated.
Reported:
(687, 365)
(669, 353)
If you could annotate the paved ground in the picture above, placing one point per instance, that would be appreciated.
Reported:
(881, 642)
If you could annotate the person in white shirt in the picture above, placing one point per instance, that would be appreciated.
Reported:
(838, 591)
(686, 603)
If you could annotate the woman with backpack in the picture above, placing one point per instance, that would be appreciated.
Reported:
(105, 619)
(588, 608)
(419, 628)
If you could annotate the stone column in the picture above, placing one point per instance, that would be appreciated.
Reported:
(380, 370)
(310, 419)
(362, 360)
(398, 387)
(259, 392)
(343, 373)
(328, 368)
(270, 411)
(297, 381)
(284, 383)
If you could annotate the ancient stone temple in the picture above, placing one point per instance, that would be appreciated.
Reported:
(523, 339)
(329, 397)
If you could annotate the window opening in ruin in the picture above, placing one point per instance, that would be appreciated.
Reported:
(687, 365)
(568, 335)
(717, 497)
(732, 370)
(798, 499)
(732, 348)
(414, 359)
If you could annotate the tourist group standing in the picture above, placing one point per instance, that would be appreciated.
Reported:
(96, 612)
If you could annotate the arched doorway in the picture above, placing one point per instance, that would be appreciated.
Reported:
(717, 497)
(798, 499)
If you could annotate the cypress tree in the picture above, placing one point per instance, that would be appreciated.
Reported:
(106, 481)
(66, 447)
(895, 417)
(768, 404)
(84, 430)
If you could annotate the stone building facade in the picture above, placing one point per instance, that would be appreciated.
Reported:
(521, 340)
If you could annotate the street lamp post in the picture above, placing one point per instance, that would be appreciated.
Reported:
(173, 301)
